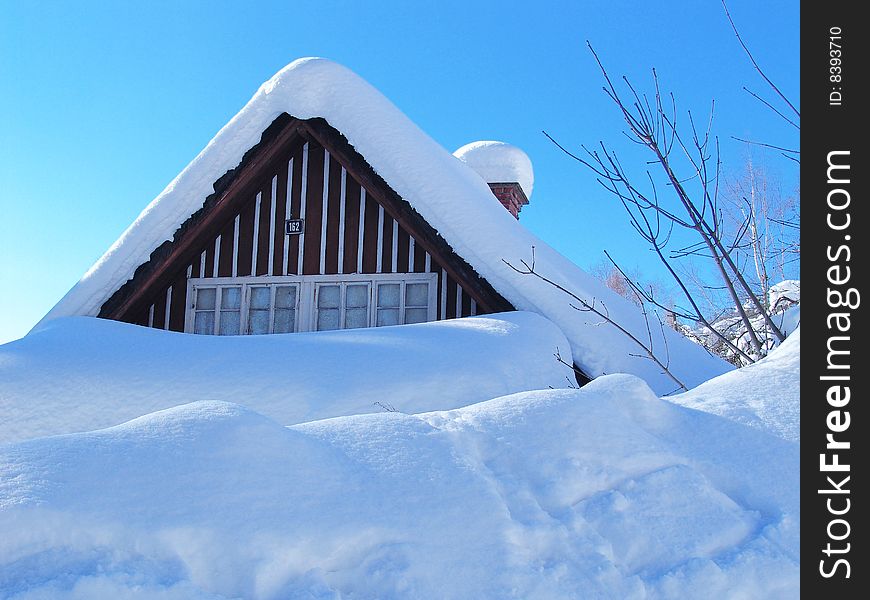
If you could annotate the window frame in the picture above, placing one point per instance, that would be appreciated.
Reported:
(306, 287)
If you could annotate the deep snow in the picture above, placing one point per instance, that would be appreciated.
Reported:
(444, 190)
(499, 162)
(603, 492)
(82, 373)
(765, 394)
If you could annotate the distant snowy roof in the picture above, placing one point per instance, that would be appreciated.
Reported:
(446, 192)
(498, 162)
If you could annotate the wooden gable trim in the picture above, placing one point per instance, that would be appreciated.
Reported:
(426, 235)
(229, 194)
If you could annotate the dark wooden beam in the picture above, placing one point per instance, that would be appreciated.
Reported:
(230, 193)
(475, 285)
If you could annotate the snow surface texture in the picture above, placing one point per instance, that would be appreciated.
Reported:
(602, 492)
(499, 162)
(444, 190)
(82, 373)
(765, 394)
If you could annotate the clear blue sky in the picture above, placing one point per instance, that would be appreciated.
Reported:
(103, 103)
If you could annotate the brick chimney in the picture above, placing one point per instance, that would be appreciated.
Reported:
(511, 196)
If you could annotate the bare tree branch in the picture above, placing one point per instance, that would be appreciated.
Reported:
(755, 64)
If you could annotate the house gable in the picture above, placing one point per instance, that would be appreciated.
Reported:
(239, 231)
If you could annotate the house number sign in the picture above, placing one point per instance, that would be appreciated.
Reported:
(294, 226)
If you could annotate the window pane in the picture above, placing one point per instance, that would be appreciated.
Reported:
(356, 317)
(327, 318)
(285, 296)
(205, 298)
(284, 319)
(388, 316)
(388, 294)
(357, 296)
(231, 297)
(416, 315)
(260, 297)
(417, 294)
(203, 322)
(328, 296)
(230, 321)
(258, 321)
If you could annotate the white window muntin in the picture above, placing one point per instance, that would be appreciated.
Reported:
(348, 306)
(246, 287)
(306, 308)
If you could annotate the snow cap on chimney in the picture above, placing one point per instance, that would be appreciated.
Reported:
(506, 169)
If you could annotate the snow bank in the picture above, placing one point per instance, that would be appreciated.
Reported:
(498, 162)
(444, 190)
(784, 294)
(603, 492)
(765, 394)
(81, 373)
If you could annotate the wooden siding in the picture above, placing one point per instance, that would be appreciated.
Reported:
(346, 231)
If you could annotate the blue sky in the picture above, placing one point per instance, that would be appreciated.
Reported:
(102, 104)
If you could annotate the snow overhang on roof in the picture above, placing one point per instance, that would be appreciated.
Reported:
(446, 192)
(499, 162)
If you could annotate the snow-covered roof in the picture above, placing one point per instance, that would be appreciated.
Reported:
(445, 191)
(499, 162)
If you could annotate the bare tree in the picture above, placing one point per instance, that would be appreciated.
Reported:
(653, 125)
(647, 348)
(688, 167)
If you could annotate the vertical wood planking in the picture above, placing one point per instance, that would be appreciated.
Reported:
(159, 310)
(303, 208)
(273, 210)
(394, 247)
(411, 249)
(442, 285)
(296, 212)
(246, 239)
(227, 258)
(261, 245)
(235, 246)
(216, 256)
(288, 198)
(466, 304)
(255, 235)
(168, 306)
(324, 214)
(333, 218)
(342, 202)
(380, 262)
(361, 233)
(177, 301)
(314, 211)
(451, 287)
(345, 232)
(351, 226)
(403, 251)
(202, 258)
(387, 247)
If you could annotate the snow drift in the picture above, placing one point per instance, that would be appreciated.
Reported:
(444, 190)
(605, 492)
(765, 394)
(81, 373)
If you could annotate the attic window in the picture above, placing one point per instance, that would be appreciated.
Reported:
(261, 305)
(218, 309)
